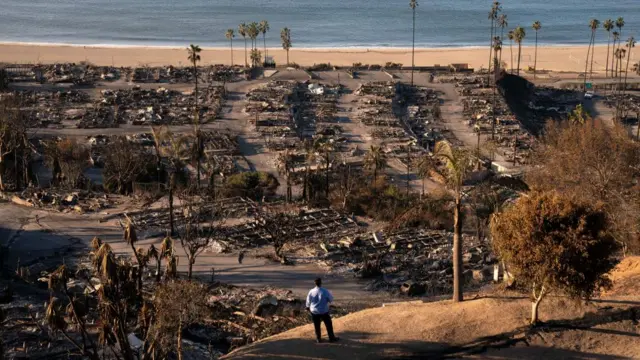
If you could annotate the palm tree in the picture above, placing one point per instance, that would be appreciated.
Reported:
(493, 15)
(594, 24)
(255, 57)
(230, 35)
(242, 30)
(608, 26)
(413, 4)
(264, 27)
(519, 35)
(194, 58)
(375, 160)
(458, 165)
(253, 34)
(502, 23)
(620, 54)
(620, 25)
(285, 36)
(616, 38)
(536, 26)
(631, 43)
(511, 36)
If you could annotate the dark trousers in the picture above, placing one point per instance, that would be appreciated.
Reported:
(326, 319)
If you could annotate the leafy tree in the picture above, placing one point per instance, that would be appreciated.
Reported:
(285, 37)
(253, 185)
(230, 35)
(536, 26)
(458, 164)
(593, 164)
(579, 115)
(553, 243)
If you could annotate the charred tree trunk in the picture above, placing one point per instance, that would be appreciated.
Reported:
(171, 186)
(158, 268)
(457, 251)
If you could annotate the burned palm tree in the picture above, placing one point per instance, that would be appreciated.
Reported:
(131, 238)
(413, 4)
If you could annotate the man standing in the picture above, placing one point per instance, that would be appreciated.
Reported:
(318, 305)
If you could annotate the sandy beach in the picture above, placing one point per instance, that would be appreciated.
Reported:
(556, 58)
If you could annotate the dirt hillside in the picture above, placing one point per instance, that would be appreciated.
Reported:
(490, 327)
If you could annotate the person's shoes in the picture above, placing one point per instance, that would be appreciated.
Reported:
(335, 339)
(319, 341)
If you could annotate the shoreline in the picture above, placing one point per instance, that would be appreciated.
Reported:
(554, 58)
(320, 48)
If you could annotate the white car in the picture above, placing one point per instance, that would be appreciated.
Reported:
(589, 95)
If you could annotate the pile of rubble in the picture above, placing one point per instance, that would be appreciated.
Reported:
(487, 112)
(423, 120)
(270, 109)
(162, 106)
(411, 261)
(312, 226)
(78, 201)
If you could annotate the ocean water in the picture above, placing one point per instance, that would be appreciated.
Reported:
(313, 23)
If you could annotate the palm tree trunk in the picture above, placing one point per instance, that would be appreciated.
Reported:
(231, 52)
(586, 64)
(287, 57)
(519, 56)
(413, 46)
(264, 43)
(457, 251)
(501, 38)
(535, 59)
(606, 71)
(593, 51)
(613, 57)
(246, 63)
(490, 53)
(511, 50)
(626, 71)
